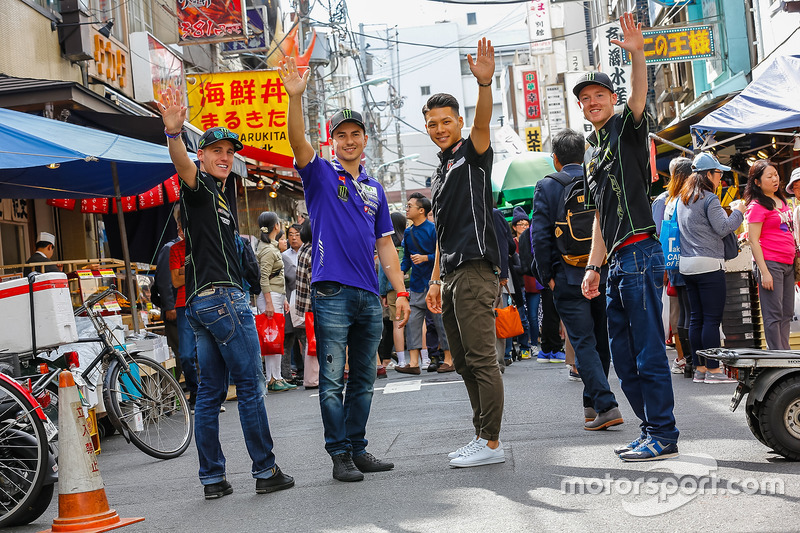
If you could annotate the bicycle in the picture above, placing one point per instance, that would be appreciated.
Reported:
(143, 401)
(28, 470)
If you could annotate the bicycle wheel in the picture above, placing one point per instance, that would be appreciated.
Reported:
(150, 405)
(23, 457)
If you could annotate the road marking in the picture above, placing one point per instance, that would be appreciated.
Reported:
(403, 386)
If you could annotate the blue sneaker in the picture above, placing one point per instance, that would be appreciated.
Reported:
(543, 357)
(629, 447)
(558, 357)
(651, 450)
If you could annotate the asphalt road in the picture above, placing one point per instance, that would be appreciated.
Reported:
(557, 477)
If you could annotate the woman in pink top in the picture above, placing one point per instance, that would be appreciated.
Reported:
(769, 219)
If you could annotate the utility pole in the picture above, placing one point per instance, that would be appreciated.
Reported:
(311, 97)
(395, 103)
(373, 126)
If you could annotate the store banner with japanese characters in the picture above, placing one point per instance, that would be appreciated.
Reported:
(539, 28)
(556, 112)
(211, 21)
(533, 139)
(612, 62)
(156, 69)
(259, 39)
(675, 45)
(530, 95)
(251, 103)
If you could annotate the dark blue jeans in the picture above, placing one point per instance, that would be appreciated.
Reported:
(587, 328)
(706, 302)
(227, 342)
(636, 336)
(187, 350)
(532, 308)
(347, 323)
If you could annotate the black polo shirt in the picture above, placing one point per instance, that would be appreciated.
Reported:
(462, 206)
(210, 230)
(618, 178)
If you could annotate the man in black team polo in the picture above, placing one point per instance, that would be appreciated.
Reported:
(618, 185)
(467, 256)
(217, 308)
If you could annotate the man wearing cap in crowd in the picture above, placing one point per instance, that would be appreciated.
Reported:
(349, 221)
(45, 247)
(217, 308)
(618, 185)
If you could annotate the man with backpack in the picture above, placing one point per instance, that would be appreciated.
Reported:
(562, 240)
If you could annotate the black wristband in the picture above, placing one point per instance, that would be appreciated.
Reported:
(484, 84)
(594, 267)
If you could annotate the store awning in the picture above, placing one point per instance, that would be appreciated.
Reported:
(769, 103)
(45, 158)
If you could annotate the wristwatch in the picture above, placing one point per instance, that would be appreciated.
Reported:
(595, 268)
(435, 282)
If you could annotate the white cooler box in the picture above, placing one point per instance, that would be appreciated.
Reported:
(55, 323)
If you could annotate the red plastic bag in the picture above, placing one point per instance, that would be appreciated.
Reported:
(311, 339)
(270, 333)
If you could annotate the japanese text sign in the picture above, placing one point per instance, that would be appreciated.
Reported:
(677, 44)
(207, 21)
(259, 39)
(541, 34)
(612, 62)
(533, 139)
(530, 94)
(251, 103)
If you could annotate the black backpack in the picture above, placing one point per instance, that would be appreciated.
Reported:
(251, 271)
(574, 222)
(526, 253)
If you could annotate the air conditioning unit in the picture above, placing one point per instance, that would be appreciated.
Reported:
(74, 32)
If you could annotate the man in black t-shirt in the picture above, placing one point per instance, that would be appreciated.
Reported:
(618, 184)
(217, 308)
(467, 256)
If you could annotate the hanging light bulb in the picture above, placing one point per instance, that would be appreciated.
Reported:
(274, 192)
(53, 166)
(260, 185)
(796, 146)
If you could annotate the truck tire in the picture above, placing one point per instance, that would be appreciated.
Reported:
(779, 418)
(751, 415)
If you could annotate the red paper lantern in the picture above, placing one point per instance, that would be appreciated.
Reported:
(65, 203)
(94, 205)
(173, 186)
(152, 198)
(128, 204)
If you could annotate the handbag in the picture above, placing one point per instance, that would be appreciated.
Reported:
(796, 265)
(311, 338)
(270, 333)
(670, 238)
(671, 290)
(507, 321)
(729, 242)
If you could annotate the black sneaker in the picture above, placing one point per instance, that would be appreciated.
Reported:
(217, 490)
(366, 462)
(344, 469)
(279, 481)
(433, 367)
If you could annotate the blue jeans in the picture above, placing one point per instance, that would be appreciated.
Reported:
(588, 333)
(348, 324)
(636, 336)
(227, 342)
(707, 303)
(532, 307)
(187, 350)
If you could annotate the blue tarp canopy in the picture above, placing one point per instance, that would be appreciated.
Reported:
(769, 103)
(28, 144)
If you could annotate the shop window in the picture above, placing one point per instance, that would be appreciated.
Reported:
(140, 15)
(425, 90)
(472, 19)
(105, 10)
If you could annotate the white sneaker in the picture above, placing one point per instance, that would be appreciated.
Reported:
(535, 351)
(480, 455)
(391, 366)
(464, 449)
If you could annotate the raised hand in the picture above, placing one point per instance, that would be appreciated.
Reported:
(293, 82)
(172, 112)
(631, 32)
(483, 65)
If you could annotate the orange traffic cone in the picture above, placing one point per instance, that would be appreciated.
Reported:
(82, 503)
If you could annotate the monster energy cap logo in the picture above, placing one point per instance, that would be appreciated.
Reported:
(593, 78)
(213, 135)
(346, 115)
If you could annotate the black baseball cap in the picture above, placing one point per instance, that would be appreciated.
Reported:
(346, 115)
(213, 135)
(593, 78)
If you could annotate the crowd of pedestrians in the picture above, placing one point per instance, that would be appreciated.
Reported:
(363, 290)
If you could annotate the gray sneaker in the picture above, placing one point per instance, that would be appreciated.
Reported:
(589, 414)
(612, 417)
(699, 377)
(718, 377)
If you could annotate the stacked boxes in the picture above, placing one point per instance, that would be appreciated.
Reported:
(741, 319)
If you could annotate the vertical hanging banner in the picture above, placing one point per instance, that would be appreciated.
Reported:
(533, 139)
(539, 29)
(211, 21)
(251, 103)
(556, 112)
(612, 62)
(530, 91)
